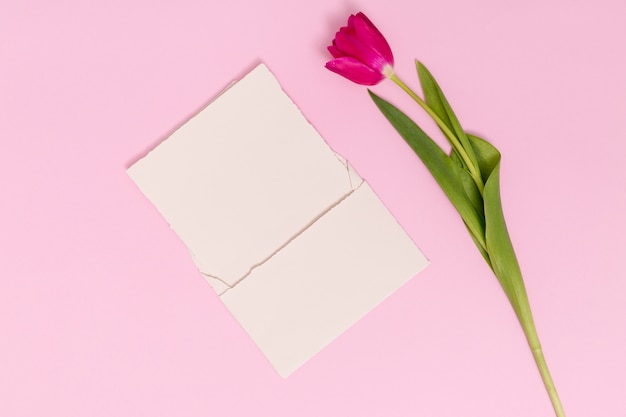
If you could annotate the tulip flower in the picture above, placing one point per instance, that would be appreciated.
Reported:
(469, 175)
(361, 52)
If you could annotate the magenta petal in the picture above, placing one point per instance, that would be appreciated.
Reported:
(349, 46)
(371, 36)
(351, 21)
(355, 71)
(354, 47)
(336, 53)
(345, 31)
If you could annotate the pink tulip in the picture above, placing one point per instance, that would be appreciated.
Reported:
(361, 52)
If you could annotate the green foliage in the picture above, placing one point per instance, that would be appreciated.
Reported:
(470, 178)
(481, 211)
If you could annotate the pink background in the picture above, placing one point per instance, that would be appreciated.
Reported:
(102, 312)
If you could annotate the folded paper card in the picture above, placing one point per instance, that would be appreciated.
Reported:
(296, 244)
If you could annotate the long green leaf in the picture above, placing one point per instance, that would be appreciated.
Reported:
(437, 101)
(431, 94)
(469, 185)
(501, 252)
(474, 196)
(445, 171)
(487, 155)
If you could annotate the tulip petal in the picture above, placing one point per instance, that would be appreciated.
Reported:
(351, 21)
(369, 35)
(355, 71)
(349, 45)
(352, 46)
(336, 53)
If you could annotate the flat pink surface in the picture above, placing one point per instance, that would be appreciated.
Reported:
(102, 312)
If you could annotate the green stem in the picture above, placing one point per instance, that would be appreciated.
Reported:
(454, 141)
(533, 341)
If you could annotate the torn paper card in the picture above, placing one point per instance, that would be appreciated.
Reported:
(296, 244)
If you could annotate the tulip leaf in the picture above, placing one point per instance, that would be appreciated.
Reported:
(488, 158)
(487, 155)
(437, 101)
(431, 94)
(498, 252)
(503, 259)
(482, 250)
(469, 185)
(445, 171)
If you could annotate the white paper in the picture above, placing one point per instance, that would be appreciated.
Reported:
(297, 245)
